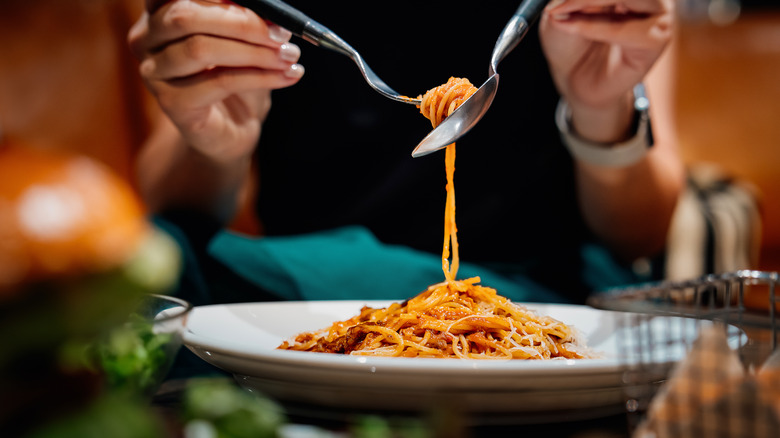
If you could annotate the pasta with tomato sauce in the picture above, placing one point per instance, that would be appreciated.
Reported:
(454, 318)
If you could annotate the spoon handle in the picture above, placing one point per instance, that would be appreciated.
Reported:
(530, 10)
(515, 30)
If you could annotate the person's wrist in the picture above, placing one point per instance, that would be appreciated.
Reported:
(604, 124)
(629, 149)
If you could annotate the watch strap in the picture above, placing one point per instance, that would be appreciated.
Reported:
(619, 154)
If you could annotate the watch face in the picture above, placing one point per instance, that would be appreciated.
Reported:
(641, 102)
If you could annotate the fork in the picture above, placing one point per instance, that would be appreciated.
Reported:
(315, 33)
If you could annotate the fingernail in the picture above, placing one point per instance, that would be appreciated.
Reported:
(555, 3)
(279, 34)
(289, 52)
(295, 71)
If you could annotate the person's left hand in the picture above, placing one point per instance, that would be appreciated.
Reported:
(599, 49)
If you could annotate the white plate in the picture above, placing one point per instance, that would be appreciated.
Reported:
(242, 339)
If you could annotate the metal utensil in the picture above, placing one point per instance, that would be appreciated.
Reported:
(457, 124)
(301, 25)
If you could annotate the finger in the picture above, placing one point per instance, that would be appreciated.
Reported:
(179, 19)
(643, 7)
(182, 96)
(643, 32)
(203, 52)
(153, 5)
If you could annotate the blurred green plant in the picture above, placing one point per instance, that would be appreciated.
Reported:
(132, 357)
(374, 426)
(228, 411)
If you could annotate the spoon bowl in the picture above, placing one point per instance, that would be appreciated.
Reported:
(466, 116)
(457, 124)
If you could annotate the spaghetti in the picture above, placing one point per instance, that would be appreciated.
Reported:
(455, 318)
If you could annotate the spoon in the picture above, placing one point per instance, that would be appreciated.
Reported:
(457, 124)
(315, 33)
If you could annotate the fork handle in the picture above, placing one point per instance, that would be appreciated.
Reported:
(280, 13)
(298, 23)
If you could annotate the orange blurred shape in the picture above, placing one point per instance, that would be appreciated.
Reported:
(63, 215)
(761, 297)
(727, 103)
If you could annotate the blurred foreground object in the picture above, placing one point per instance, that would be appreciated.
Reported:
(62, 216)
(223, 409)
(725, 383)
(137, 355)
(76, 256)
(710, 393)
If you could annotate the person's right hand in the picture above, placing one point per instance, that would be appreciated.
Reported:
(211, 65)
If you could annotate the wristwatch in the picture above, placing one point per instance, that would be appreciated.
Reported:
(619, 154)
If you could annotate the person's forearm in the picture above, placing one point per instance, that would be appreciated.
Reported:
(173, 175)
(630, 208)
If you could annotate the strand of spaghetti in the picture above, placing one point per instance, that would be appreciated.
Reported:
(458, 322)
(450, 228)
(456, 348)
(419, 347)
(480, 339)
(396, 338)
